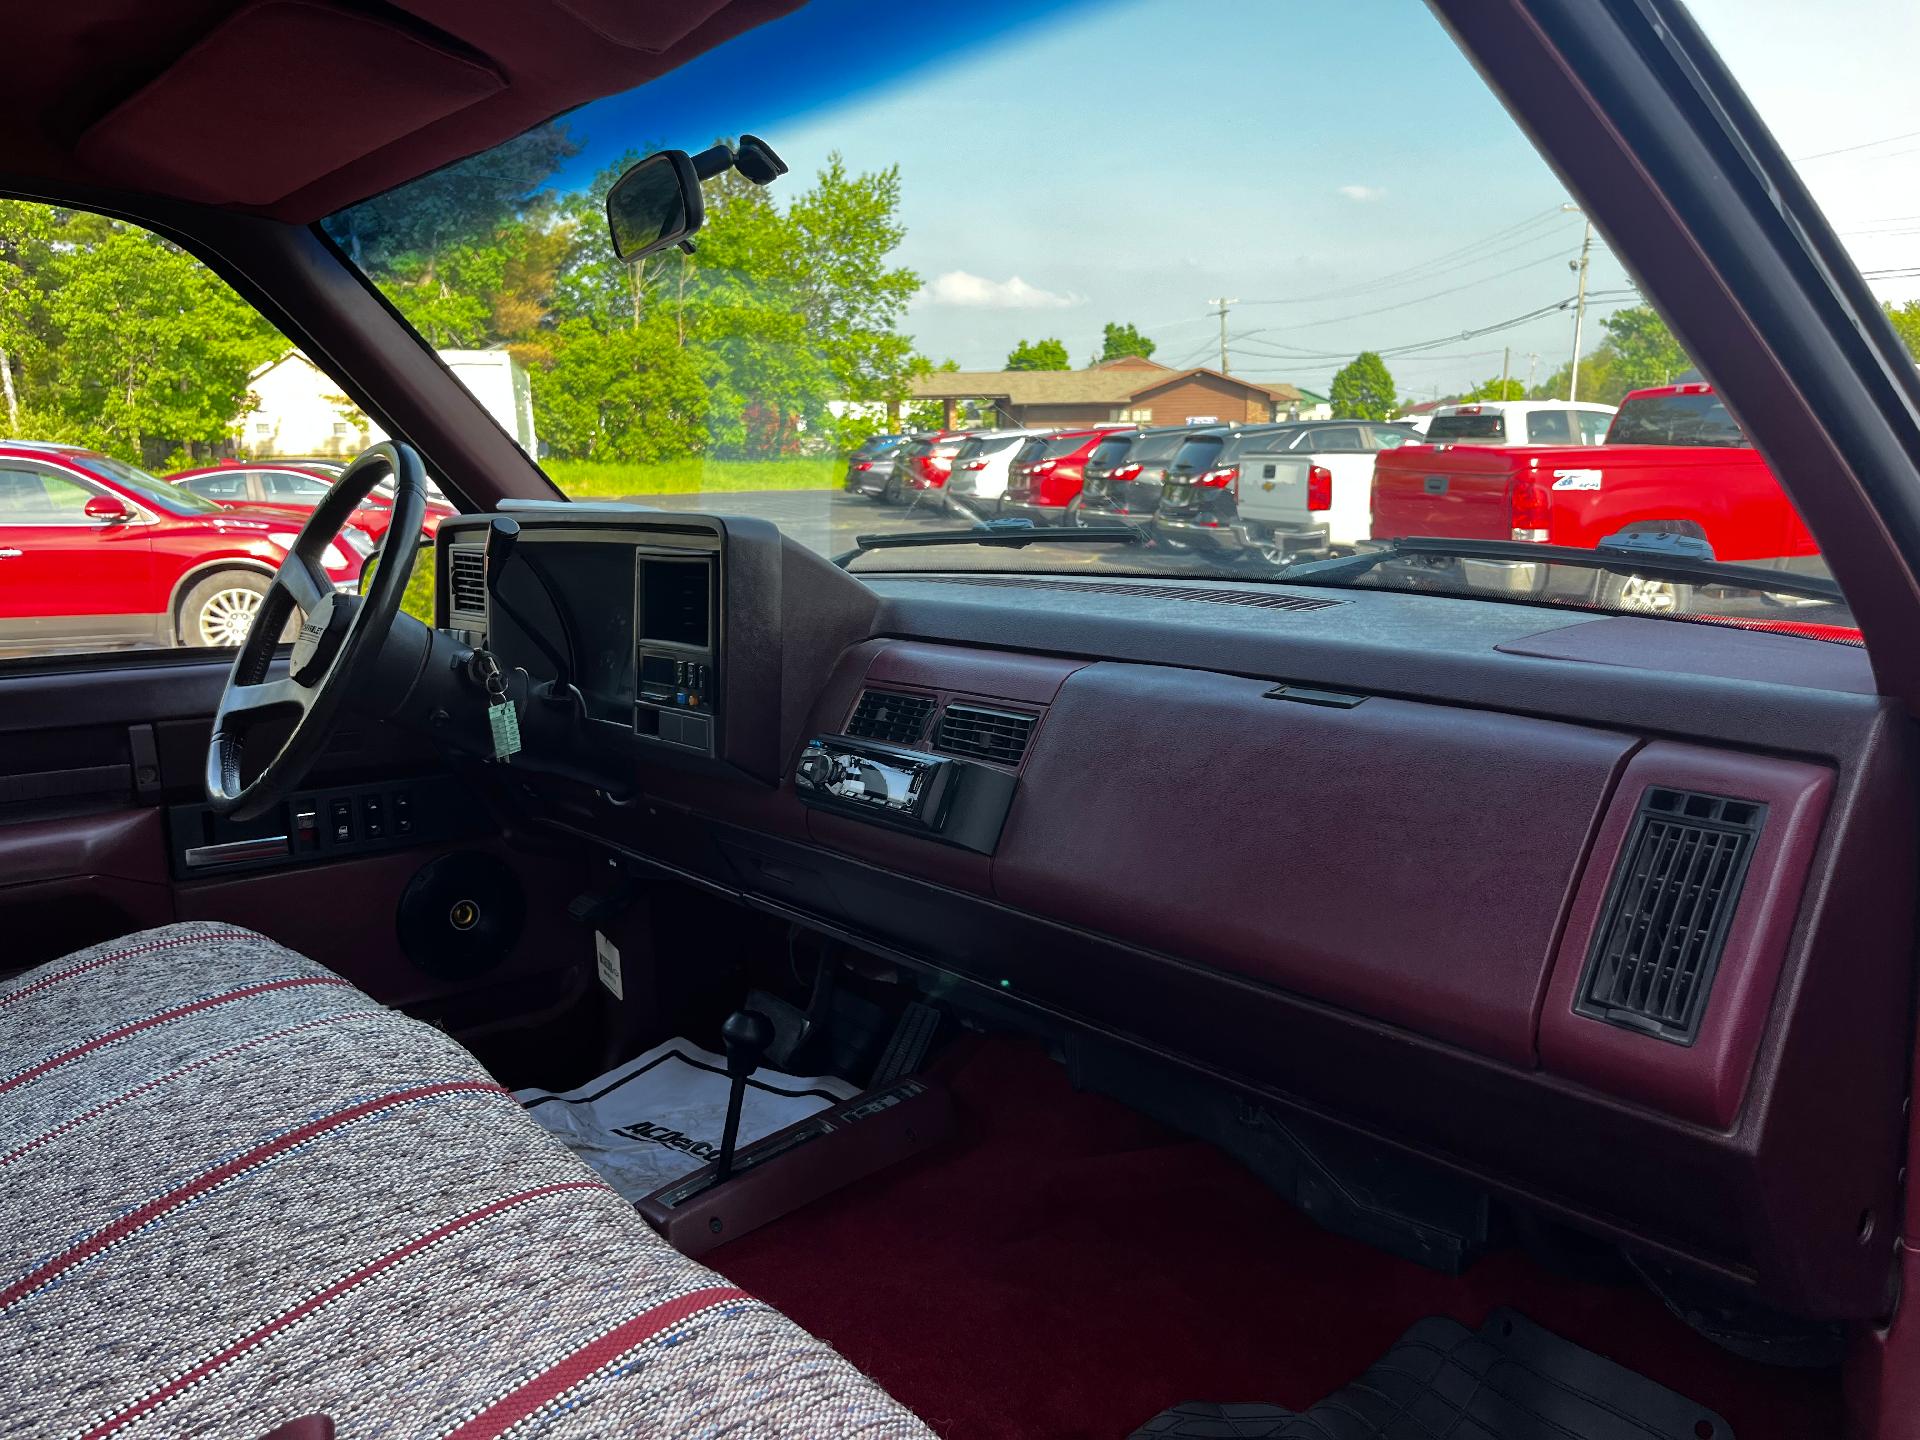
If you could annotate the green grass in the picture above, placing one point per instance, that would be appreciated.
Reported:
(581, 479)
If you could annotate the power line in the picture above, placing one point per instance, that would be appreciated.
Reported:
(1557, 255)
(1359, 291)
(1863, 145)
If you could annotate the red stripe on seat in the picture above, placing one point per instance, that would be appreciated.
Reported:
(67, 1056)
(260, 1154)
(326, 1297)
(94, 964)
(553, 1382)
(158, 1080)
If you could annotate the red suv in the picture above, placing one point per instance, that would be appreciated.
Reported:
(924, 462)
(95, 551)
(294, 490)
(1047, 474)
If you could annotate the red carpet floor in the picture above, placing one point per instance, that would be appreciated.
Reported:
(1066, 1268)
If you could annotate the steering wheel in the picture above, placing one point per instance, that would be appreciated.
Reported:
(339, 638)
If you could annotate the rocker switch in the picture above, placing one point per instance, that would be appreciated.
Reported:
(340, 818)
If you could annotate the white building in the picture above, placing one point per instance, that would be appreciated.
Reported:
(299, 410)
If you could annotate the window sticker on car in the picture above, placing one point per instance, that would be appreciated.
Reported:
(1576, 479)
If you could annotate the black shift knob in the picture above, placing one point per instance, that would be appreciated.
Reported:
(746, 1034)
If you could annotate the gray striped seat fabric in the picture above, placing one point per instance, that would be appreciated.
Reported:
(234, 1191)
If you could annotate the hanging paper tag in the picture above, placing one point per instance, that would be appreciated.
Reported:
(504, 721)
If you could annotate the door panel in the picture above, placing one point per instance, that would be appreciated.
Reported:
(86, 853)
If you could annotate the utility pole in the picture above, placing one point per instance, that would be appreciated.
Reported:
(1506, 368)
(1223, 304)
(1579, 312)
(1533, 364)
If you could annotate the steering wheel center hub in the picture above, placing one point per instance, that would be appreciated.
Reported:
(320, 638)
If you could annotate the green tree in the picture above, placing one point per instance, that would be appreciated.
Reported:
(1046, 354)
(1363, 389)
(1118, 340)
(1495, 389)
(633, 393)
(1906, 324)
(1642, 350)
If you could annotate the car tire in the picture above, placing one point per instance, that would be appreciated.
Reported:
(894, 492)
(219, 609)
(1642, 595)
(1074, 519)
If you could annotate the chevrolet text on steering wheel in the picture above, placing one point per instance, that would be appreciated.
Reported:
(342, 639)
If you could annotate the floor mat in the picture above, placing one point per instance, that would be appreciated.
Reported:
(1509, 1381)
(660, 1115)
(1065, 1268)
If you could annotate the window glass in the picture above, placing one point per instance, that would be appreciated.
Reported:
(1485, 426)
(1594, 425)
(1385, 438)
(36, 498)
(125, 360)
(894, 282)
(230, 486)
(1688, 419)
(1549, 427)
(1198, 454)
(1111, 452)
(284, 485)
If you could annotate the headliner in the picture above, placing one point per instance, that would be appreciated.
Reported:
(296, 108)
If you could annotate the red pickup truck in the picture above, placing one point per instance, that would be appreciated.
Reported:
(1674, 461)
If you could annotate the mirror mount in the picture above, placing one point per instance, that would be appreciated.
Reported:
(657, 204)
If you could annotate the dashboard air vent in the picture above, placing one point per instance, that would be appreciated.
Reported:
(997, 735)
(467, 581)
(1667, 912)
(897, 719)
(1205, 595)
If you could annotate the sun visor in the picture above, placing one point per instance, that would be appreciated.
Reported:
(225, 124)
(652, 28)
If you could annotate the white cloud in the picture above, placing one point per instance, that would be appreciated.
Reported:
(958, 287)
(1362, 192)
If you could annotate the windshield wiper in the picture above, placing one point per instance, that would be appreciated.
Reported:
(1009, 534)
(1626, 554)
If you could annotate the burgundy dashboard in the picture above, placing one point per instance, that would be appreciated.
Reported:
(1606, 914)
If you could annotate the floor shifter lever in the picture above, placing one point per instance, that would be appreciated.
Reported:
(746, 1036)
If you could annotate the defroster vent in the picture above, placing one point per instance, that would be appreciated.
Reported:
(467, 582)
(897, 719)
(997, 735)
(1667, 912)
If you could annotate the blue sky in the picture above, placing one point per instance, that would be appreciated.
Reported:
(1339, 169)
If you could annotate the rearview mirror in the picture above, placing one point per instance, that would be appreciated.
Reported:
(109, 508)
(657, 203)
(654, 205)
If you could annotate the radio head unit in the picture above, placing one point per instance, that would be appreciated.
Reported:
(937, 796)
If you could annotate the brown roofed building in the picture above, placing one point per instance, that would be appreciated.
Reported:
(1129, 388)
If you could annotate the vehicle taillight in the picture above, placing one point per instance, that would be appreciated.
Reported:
(1125, 472)
(1224, 475)
(1319, 488)
(1528, 509)
(974, 465)
(864, 465)
(1045, 467)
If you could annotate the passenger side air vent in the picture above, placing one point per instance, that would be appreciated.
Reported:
(1667, 912)
(467, 582)
(897, 719)
(997, 735)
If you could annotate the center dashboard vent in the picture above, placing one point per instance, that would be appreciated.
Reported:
(1667, 912)
(896, 719)
(467, 582)
(997, 735)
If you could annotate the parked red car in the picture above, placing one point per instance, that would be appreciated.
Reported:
(94, 550)
(1045, 477)
(1674, 461)
(293, 490)
(924, 463)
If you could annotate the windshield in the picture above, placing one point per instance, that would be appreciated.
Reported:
(145, 488)
(919, 271)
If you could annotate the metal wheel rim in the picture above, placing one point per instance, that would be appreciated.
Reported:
(1648, 597)
(227, 616)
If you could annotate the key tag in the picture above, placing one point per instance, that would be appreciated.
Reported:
(503, 721)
